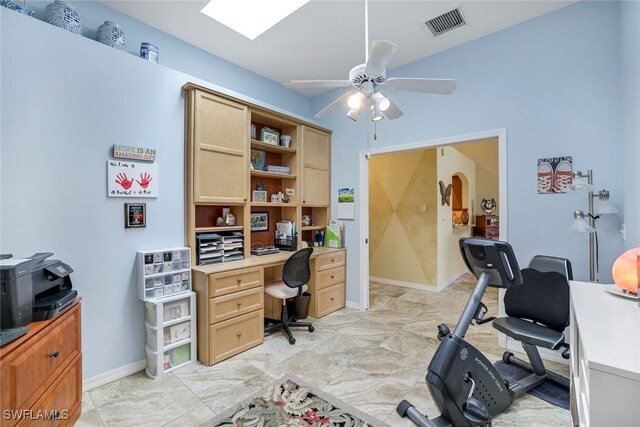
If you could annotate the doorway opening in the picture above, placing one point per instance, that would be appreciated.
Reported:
(419, 200)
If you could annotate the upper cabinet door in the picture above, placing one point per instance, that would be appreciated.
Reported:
(220, 141)
(316, 158)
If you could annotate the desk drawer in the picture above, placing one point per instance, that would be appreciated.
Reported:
(331, 299)
(330, 277)
(235, 335)
(236, 304)
(235, 280)
(330, 260)
(62, 400)
(33, 367)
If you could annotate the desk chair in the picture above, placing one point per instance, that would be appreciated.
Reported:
(538, 313)
(295, 276)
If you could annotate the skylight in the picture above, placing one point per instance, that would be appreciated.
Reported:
(251, 17)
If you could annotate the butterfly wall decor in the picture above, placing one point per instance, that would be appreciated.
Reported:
(445, 192)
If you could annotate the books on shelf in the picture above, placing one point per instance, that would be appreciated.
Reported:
(278, 169)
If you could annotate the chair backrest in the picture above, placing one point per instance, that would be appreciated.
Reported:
(545, 263)
(544, 294)
(296, 271)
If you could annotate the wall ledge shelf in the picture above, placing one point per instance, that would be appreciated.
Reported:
(259, 145)
(273, 205)
(214, 229)
(313, 227)
(265, 174)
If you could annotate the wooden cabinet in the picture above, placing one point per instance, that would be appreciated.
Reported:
(217, 144)
(316, 148)
(42, 371)
(487, 226)
(230, 312)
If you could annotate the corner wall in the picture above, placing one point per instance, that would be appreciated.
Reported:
(404, 240)
(65, 101)
(630, 53)
(554, 84)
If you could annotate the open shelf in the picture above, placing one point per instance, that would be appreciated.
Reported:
(259, 145)
(314, 228)
(215, 229)
(273, 205)
(272, 174)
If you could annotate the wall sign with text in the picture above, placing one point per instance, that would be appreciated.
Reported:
(132, 179)
(134, 153)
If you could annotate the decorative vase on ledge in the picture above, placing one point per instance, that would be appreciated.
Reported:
(112, 35)
(18, 6)
(63, 15)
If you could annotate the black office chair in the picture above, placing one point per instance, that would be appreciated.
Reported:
(295, 276)
(538, 313)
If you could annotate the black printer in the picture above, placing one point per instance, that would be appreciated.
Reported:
(33, 289)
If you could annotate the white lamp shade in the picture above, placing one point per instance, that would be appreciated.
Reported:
(355, 100)
(603, 207)
(581, 226)
(580, 184)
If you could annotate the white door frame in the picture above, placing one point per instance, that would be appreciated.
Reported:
(364, 156)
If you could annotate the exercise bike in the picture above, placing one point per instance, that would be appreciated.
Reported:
(466, 387)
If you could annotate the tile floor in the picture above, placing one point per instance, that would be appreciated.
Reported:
(371, 360)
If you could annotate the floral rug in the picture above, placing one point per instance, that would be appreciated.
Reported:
(289, 403)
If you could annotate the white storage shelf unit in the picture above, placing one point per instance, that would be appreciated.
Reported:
(171, 333)
(163, 272)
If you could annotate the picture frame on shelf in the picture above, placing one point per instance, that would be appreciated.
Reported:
(290, 192)
(135, 215)
(259, 196)
(259, 221)
(258, 159)
(270, 136)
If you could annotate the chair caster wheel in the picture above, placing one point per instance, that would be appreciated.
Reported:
(311, 328)
(292, 340)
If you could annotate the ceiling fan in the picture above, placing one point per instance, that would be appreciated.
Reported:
(369, 78)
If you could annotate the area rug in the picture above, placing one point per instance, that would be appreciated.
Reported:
(290, 402)
(548, 391)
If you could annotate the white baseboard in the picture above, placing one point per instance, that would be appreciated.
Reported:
(451, 280)
(115, 374)
(420, 286)
(354, 305)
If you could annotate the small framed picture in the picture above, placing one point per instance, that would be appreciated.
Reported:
(135, 215)
(259, 221)
(258, 159)
(258, 196)
(290, 192)
(270, 136)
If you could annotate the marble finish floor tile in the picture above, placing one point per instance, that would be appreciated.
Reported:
(371, 360)
(138, 400)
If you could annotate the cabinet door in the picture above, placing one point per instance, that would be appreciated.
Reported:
(220, 140)
(315, 165)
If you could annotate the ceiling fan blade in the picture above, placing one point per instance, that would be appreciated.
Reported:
(379, 56)
(309, 84)
(335, 104)
(393, 112)
(439, 86)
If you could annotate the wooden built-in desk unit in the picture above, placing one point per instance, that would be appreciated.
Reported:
(231, 304)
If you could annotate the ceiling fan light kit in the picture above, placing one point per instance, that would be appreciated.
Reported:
(367, 78)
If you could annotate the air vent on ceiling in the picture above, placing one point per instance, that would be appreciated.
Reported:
(446, 22)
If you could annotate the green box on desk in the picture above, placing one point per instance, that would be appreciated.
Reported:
(333, 237)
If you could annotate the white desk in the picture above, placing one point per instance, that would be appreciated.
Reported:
(605, 356)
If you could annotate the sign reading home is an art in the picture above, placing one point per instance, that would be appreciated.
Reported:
(132, 179)
(134, 153)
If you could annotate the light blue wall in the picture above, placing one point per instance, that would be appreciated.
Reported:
(182, 56)
(65, 101)
(630, 50)
(553, 83)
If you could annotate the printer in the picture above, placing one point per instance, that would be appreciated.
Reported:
(32, 289)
